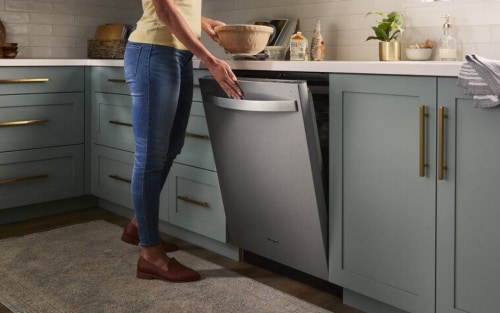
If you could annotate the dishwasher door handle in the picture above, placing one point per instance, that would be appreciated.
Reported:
(255, 105)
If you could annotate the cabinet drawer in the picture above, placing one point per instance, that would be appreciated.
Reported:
(40, 175)
(111, 174)
(112, 121)
(109, 79)
(197, 150)
(197, 108)
(42, 120)
(22, 80)
(195, 201)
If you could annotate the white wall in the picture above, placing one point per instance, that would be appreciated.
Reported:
(476, 22)
(60, 28)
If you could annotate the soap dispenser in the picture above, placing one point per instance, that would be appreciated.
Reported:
(447, 44)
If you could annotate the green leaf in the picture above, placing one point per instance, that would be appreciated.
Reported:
(389, 27)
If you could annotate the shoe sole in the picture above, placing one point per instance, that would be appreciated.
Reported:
(147, 276)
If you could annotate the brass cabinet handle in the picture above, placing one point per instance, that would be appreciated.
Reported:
(195, 202)
(441, 166)
(199, 136)
(120, 123)
(23, 80)
(118, 177)
(10, 181)
(422, 116)
(116, 80)
(23, 122)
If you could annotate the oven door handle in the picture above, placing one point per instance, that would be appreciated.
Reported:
(255, 105)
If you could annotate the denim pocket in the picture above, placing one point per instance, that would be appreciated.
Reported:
(131, 60)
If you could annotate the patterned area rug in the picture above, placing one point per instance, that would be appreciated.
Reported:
(86, 268)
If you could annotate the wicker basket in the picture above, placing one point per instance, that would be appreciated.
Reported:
(105, 49)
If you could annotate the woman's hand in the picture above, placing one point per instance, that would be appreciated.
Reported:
(208, 25)
(222, 73)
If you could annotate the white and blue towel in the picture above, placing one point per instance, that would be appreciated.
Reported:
(480, 77)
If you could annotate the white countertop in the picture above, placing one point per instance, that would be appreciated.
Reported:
(419, 68)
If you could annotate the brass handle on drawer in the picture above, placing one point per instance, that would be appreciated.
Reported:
(199, 136)
(10, 181)
(116, 80)
(25, 122)
(441, 166)
(189, 200)
(23, 80)
(120, 123)
(122, 179)
(421, 139)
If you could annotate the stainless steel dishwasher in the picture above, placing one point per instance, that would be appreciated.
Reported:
(268, 159)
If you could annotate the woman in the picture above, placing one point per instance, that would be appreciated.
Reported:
(159, 72)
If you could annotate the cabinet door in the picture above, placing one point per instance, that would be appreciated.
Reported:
(40, 175)
(39, 79)
(109, 79)
(195, 201)
(112, 121)
(41, 120)
(382, 211)
(112, 174)
(468, 214)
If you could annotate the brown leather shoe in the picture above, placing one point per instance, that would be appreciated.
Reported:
(130, 235)
(177, 273)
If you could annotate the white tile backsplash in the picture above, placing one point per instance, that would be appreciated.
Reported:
(60, 28)
(345, 27)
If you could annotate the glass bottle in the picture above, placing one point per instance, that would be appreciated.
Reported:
(447, 44)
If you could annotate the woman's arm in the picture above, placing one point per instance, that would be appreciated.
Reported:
(168, 14)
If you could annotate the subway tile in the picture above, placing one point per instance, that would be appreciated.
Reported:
(60, 28)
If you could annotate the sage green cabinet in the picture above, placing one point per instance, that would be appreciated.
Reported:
(415, 241)
(468, 206)
(382, 211)
(111, 135)
(194, 196)
(191, 197)
(42, 136)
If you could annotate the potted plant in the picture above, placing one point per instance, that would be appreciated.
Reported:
(387, 31)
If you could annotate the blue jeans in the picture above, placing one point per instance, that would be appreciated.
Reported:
(161, 84)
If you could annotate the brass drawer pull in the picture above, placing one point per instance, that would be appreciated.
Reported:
(120, 123)
(25, 122)
(441, 166)
(116, 80)
(10, 181)
(23, 80)
(195, 202)
(119, 178)
(421, 135)
(199, 136)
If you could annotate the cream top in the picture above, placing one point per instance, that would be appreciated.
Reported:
(150, 29)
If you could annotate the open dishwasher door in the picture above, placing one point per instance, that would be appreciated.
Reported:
(268, 159)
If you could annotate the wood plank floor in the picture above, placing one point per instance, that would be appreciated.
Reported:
(327, 296)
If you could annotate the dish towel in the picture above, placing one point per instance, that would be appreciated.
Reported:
(480, 77)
